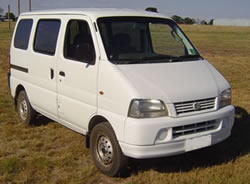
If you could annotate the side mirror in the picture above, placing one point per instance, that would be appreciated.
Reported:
(85, 52)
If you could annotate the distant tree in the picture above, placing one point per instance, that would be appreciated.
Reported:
(203, 22)
(194, 21)
(198, 21)
(152, 9)
(177, 18)
(188, 20)
(211, 22)
(12, 16)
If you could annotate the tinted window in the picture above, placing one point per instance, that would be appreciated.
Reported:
(46, 36)
(78, 42)
(22, 36)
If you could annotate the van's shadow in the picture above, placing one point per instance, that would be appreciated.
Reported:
(237, 145)
(42, 120)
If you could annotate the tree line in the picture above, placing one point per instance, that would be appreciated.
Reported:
(186, 20)
(12, 15)
(189, 20)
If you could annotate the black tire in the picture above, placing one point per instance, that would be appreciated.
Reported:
(25, 112)
(106, 152)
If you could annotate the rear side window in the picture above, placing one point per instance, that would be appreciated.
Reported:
(46, 36)
(21, 40)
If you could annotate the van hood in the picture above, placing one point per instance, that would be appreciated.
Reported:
(175, 82)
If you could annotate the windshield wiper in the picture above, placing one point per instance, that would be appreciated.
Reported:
(134, 61)
(146, 59)
(127, 61)
(158, 59)
(151, 59)
(186, 58)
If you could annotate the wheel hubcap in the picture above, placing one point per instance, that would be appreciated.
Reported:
(23, 109)
(105, 150)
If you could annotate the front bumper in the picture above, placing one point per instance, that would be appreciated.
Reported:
(140, 135)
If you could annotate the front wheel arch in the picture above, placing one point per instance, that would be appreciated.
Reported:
(92, 123)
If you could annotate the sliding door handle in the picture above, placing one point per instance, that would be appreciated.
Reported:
(51, 74)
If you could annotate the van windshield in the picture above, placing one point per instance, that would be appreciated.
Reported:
(138, 40)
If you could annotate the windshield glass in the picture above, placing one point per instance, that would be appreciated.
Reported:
(129, 40)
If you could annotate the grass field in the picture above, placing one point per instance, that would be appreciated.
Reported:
(51, 153)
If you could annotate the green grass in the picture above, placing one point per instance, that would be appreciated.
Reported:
(51, 153)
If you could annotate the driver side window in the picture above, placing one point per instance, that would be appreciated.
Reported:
(78, 44)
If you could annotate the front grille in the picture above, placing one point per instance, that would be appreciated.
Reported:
(195, 128)
(193, 106)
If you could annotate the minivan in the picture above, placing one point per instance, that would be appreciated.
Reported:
(130, 81)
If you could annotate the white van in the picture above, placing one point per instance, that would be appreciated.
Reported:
(130, 81)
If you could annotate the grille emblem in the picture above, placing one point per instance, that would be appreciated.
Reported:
(196, 106)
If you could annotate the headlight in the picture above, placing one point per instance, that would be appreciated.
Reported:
(225, 98)
(147, 108)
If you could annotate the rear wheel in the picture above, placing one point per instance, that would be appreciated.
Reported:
(25, 112)
(106, 152)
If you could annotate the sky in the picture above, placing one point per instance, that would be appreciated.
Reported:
(202, 9)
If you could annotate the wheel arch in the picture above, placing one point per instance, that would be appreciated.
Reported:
(92, 123)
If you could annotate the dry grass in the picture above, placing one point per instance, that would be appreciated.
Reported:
(51, 153)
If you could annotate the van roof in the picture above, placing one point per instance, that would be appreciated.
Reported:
(95, 13)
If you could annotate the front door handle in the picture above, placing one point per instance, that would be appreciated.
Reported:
(62, 73)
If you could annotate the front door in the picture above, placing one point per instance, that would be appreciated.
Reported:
(77, 75)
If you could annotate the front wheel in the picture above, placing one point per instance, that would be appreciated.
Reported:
(106, 152)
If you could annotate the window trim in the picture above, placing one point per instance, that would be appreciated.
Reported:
(35, 37)
(65, 40)
(29, 34)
